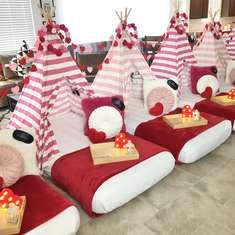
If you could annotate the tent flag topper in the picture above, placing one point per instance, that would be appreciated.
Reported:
(123, 59)
(210, 49)
(52, 89)
(175, 52)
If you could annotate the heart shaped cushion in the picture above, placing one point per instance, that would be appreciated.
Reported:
(207, 93)
(156, 110)
(96, 136)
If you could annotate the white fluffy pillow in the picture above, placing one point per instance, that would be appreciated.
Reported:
(27, 151)
(158, 91)
(230, 72)
(106, 119)
(208, 81)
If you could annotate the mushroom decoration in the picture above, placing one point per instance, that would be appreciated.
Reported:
(121, 140)
(231, 94)
(7, 197)
(187, 112)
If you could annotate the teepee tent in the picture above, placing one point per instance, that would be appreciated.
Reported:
(175, 54)
(231, 44)
(53, 89)
(123, 60)
(210, 49)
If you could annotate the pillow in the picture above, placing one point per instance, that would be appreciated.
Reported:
(8, 73)
(160, 96)
(11, 165)
(104, 117)
(230, 72)
(204, 81)
(27, 151)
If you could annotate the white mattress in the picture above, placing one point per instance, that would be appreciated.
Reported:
(187, 97)
(122, 187)
(198, 146)
(65, 223)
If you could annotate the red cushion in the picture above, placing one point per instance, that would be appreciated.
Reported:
(197, 72)
(90, 104)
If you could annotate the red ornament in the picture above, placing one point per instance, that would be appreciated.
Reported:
(40, 47)
(99, 66)
(42, 39)
(30, 53)
(115, 43)
(106, 61)
(26, 80)
(124, 43)
(49, 28)
(129, 45)
(82, 67)
(67, 39)
(50, 47)
(58, 52)
(33, 68)
(61, 35)
(62, 27)
(22, 61)
(120, 140)
(66, 29)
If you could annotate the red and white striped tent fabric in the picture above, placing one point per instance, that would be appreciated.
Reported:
(123, 59)
(231, 44)
(175, 52)
(50, 89)
(211, 50)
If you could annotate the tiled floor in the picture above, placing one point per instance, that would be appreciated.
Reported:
(196, 199)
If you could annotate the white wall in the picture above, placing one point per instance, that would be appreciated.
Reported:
(94, 20)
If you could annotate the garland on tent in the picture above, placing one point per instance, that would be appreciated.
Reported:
(42, 45)
(216, 28)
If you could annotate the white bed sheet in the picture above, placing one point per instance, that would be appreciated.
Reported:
(121, 188)
(187, 97)
(65, 223)
(198, 146)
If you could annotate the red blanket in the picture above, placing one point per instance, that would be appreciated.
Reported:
(77, 175)
(228, 112)
(42, 201)
(159, 132)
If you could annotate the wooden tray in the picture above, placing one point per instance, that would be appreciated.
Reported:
(223, 100)
(106, 153)
(6, 228)
(177, 122)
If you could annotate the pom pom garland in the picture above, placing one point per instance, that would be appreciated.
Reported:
(52, 28)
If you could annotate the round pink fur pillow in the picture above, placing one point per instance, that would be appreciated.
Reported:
(11, 165)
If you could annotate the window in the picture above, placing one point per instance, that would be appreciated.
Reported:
(228, 8)
(198, 9)
(16, 24)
